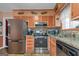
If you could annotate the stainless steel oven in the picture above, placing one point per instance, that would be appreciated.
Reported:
(41, 45)
(41, 41)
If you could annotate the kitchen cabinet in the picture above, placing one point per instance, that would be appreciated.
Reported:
(48, 19)
(29, 44)
(51, 21)
(52, 46)
(75, 10)
(30, 21)
(20, 17)
(33, 19)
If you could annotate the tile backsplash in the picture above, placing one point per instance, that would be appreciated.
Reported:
(73, 35)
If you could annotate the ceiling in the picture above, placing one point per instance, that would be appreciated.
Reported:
(6, 7)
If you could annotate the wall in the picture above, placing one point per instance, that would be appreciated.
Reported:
(65, 17)
(66, 20)
(74, 23)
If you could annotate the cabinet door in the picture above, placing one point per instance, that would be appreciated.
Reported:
(74, 10)
(30, 20)
(51, 21)
(29, 44)
(44, 18)
(53, 46)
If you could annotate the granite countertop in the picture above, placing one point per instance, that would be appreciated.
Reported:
(69, 41)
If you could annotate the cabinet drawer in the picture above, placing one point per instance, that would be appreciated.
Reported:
(29, 46)
(53, 47)
(53, 44)
(30, 43)
(29, 39)
(53, 52)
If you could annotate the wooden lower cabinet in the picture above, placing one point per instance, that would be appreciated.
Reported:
(52, 46)
(29, 44)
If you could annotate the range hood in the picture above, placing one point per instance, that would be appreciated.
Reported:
(40, 23)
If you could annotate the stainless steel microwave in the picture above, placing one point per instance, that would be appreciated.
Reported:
(40, 23)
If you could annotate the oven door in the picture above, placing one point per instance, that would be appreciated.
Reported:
(40, 43)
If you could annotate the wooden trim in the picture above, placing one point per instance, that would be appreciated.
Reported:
(29, 13)
(33, 9)
(75, 18)
(62, 7)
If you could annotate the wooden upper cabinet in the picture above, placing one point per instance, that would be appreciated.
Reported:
(75, 10)
(51, 21)
(30, 21)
